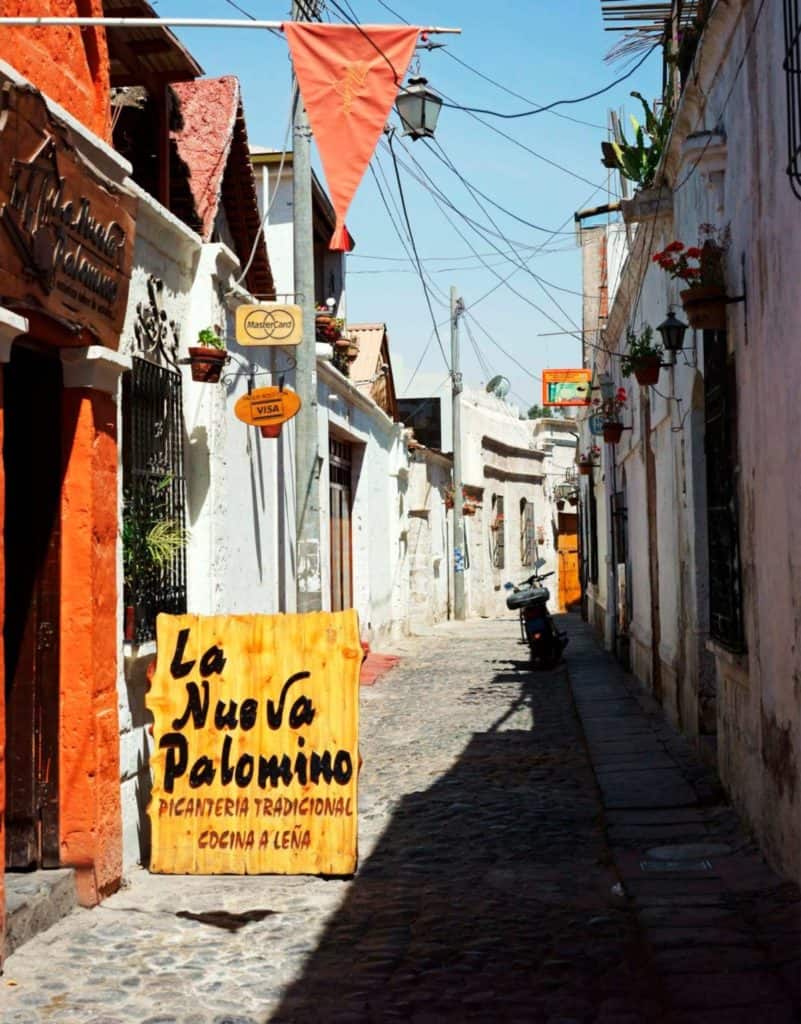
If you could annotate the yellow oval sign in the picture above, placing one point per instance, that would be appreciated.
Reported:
(265, 406)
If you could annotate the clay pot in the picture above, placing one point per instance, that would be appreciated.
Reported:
(585, 468)
(705, 308)
(207, 364)
(613, 432)
(647, 370)
(271, 430)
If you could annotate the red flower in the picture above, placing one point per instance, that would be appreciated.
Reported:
(675, 247)
(694, 253)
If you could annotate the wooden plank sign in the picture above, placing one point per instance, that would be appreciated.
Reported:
(256, 744)
(264, 407)
(269, 323)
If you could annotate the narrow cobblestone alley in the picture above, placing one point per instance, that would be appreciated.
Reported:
(518, 862)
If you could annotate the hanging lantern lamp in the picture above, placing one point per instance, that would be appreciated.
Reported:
(419, 108)
(672, 330)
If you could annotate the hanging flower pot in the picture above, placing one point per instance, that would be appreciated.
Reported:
(560, 504)
(342, 343)
(585, 468)
(573, 500)
(646, 369)
(207, 364)
(271, 430)
(705, 307)
(352, 350)
(612, 432)
(468, 509)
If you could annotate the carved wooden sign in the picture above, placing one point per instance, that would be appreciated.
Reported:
(66, 232)
(267, 407)
(256, 744)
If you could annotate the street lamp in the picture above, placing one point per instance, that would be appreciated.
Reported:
(419, 108)
(672, 330)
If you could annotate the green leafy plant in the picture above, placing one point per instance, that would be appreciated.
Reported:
(640, 347)
(209, 338)
(151, 538)
(638, 160)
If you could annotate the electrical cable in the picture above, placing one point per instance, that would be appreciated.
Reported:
(272, 198)
(419, 267)
(445, 159)
(497, 344)
(521, 266)
(416, 256)
(539, 156)
(479, 355)
(557, 103)
(498, 85)
(524, 266)
(441, 297)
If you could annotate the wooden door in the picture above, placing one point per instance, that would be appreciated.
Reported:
(340, 468)
(33, 471)
(567, 547)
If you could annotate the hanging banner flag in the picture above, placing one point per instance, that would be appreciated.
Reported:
(348, 78)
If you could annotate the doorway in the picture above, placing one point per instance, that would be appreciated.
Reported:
(340, 455)
(32, 540)
(567, 547)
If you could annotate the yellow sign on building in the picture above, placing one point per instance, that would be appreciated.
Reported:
(256, 744)
(269, 323)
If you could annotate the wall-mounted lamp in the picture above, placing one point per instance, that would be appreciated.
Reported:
(672, 330)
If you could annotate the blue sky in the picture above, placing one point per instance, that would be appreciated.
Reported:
(542, 50)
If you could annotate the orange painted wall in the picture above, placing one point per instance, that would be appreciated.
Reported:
(89, 781)
(2, 678)
(68, 63)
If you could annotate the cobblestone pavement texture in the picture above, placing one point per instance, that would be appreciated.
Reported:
(519, 862)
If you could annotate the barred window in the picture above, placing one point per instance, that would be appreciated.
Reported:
(528, 540)
(498, 525)
(792, 70)
(725, 591)
(154, 525)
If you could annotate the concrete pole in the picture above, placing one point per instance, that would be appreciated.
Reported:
(458, 513)
(307, 460)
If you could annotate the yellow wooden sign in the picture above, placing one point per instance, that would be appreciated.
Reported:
(267, 406)
(269, 323)
(256, 744)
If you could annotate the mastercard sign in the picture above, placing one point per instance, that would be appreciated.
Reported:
(269, 323)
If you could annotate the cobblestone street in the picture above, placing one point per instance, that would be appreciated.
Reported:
(533, 848)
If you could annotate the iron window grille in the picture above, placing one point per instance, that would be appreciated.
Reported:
(725, 589)
(593, 535)
(153, 498)
(792, 71)
(528, 540)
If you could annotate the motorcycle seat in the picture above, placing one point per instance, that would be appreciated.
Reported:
(530, 595)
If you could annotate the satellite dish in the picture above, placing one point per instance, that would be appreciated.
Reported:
(499, 386)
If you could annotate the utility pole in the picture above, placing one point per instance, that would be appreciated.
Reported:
(457, 308)
(307, 456)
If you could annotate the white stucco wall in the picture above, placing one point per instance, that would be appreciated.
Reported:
(239, 503)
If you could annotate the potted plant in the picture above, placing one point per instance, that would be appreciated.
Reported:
(610, 410)
(328, 328)
(643, 357)
(586, 461)
(207, 358)
(560, 503)
(637, 160)
(151, 539)
(701, 269)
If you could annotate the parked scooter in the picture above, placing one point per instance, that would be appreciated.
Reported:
(537, 626)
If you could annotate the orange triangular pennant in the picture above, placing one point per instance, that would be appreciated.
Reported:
(349, 77)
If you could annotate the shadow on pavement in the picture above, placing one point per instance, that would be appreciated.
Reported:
(488, 897)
